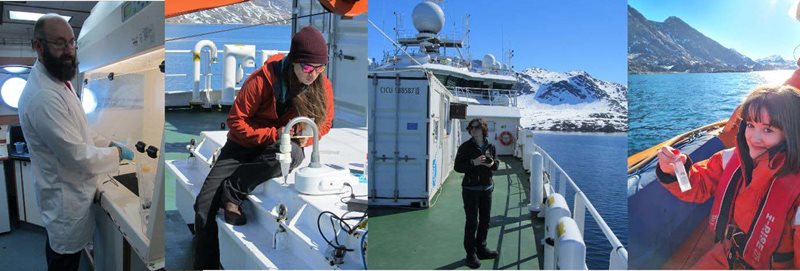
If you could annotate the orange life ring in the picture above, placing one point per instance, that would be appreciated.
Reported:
(506, 138)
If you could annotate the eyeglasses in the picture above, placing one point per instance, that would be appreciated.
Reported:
(308, 68)
(474, 127)
(61, 44)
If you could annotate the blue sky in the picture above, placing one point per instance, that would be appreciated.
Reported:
(755, 28)
(554, 35)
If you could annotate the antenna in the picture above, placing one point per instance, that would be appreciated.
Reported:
(466, 40)
(502, 41)
(398, 22)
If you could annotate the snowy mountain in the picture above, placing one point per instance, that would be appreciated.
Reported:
(777, 62)
(675, 46)
(571, 101)
(252, 12)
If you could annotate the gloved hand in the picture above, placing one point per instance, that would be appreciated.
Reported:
(125, 153)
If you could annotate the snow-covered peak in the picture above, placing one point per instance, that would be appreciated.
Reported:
(251, 12)
(772, 58)
(571, 101)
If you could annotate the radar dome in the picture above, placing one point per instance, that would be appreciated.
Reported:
(488, 61)
(428, 17)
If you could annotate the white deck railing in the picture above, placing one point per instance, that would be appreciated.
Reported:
(559, 179)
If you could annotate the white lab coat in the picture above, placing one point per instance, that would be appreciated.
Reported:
(65, 157)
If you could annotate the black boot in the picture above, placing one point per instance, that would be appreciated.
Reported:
(234, 218)
(485, 253)
(472, 261)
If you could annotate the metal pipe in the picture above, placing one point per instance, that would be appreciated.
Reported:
(579, 211)
(212, 58)
(314, 129)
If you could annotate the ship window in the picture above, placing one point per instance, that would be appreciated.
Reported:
(12, 90)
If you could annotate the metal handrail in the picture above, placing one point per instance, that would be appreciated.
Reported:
(491, 95)
(189, 52)
(619, 253)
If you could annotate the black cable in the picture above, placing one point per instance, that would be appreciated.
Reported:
(351, 197)
(335, 234)
(332, 216)
(243, 27)
(352, 194)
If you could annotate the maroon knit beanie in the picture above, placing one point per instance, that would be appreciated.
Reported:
(308, 46)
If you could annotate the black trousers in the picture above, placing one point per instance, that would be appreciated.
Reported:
(477, 205)
(237, 171)
(56, 261)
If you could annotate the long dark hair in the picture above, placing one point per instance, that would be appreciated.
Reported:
(782, 104)
(308, 101)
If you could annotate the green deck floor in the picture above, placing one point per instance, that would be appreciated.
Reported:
(432, 238)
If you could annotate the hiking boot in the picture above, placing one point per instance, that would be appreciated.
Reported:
(485, 253)
(234, 218)
(472, 261)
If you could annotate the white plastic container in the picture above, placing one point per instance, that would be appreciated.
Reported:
(680, 173)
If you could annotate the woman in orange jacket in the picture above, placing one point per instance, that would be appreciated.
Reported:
(755, 186)
(285, 87)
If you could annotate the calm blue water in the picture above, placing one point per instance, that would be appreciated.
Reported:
(268, 37)
(662, 106)
(596, 162)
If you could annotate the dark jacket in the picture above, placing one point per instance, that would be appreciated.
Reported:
(476, 177)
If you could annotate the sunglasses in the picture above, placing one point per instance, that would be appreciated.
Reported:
(474, 127)
(308, 68)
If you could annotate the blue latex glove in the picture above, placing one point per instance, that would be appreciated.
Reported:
(125, 153)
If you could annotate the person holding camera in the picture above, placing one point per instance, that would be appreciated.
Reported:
(476, 159)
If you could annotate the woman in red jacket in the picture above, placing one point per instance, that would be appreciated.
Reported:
(755, 186)
(284, 88)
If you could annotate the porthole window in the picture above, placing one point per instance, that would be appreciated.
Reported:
(12, 90)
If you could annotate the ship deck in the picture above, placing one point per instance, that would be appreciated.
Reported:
(179, 128)
(404, 238)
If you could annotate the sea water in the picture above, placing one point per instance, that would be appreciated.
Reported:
(662, 106)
